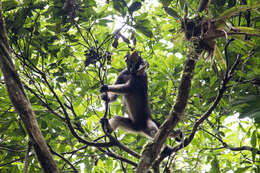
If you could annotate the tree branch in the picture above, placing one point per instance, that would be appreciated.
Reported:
(13, 161)
(26, 162)
(153, 149)
(44, 103)
(63, 158)
(226, 146)
(114, 155)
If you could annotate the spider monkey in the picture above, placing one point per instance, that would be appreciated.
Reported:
(132, 84)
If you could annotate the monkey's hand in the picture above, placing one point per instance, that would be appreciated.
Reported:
(104, 88)
(105, 97)
(105, 125)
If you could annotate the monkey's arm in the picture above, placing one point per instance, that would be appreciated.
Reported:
(114, 90)
(120, 88)
(111, 95)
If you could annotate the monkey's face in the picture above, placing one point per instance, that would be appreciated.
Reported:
(133, 62)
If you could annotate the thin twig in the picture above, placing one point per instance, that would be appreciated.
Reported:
(226, 146)
(26, 160)
(226, 52)
(63, 158)
(112, 154)
(43, 103)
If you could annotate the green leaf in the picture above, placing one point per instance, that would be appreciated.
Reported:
(171, 12)
(145, 30)
(119, 6)
(135, 6)
(9, 5)
(165, 3)
(254, 151)
(248, 30)
(255, 113)
(61, 79)
(215, 166)
(248, 106)
(43, 124)
(247, 99)
(144, 26)
(254, 138)
(220, 3)
(235, 10)
(241, 170)
(247, 43)
(257, 118)
(221, 61)
(40, 5)
(59, 73)
(104, 22)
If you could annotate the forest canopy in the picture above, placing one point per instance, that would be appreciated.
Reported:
(203, 80)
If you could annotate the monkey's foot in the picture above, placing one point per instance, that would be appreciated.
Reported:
(105, 125)
(177, 134)
(167, 151)
(105, 97)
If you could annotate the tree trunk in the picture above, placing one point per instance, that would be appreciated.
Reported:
(21, 102)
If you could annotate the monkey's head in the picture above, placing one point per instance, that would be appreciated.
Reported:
(135, 64)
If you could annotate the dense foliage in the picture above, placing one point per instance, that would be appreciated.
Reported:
(64, 50)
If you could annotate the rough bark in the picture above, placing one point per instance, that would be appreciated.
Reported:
(153, 149)
(22, 104)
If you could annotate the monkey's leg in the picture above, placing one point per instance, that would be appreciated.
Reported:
(105, 125)
(150, 130)
(122, 122)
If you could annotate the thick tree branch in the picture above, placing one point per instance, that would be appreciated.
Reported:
(153, 149)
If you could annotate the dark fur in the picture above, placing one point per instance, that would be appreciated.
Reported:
(133, 85)
(134, 88)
